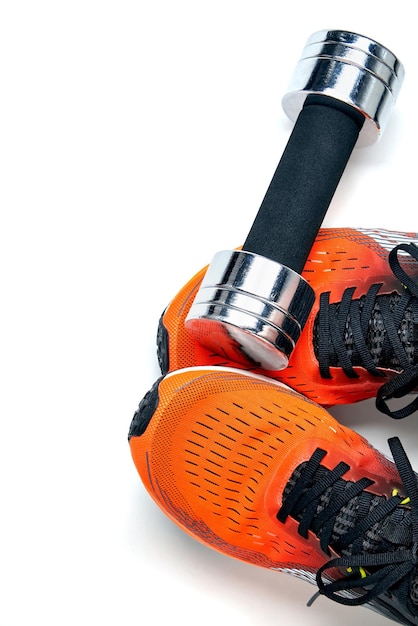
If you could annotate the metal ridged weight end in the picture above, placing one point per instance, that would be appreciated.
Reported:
(352, 68)
(251, 310)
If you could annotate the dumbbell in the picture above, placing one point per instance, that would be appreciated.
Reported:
(253, 303)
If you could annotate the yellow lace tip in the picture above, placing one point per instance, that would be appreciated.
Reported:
(362, 572)
(407, 500)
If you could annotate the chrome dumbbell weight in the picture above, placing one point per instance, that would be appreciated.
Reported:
(253, 303)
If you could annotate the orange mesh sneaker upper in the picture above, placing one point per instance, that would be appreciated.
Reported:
(341, 259)
(253, 469)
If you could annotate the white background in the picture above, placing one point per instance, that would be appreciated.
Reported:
(136, 140)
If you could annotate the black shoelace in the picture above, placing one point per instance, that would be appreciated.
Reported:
(375, 537)
(377, 330)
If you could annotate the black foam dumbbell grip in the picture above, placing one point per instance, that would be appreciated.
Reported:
(305, 181)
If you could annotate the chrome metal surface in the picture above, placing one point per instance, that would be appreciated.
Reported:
(250, 309)
(353, 69)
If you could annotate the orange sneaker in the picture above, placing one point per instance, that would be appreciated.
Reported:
(362, 331)
(258, 472)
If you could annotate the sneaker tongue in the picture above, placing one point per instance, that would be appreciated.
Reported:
(392, 533)
(389, 534)
(407, 333)
(382, 355)
(374, 536)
